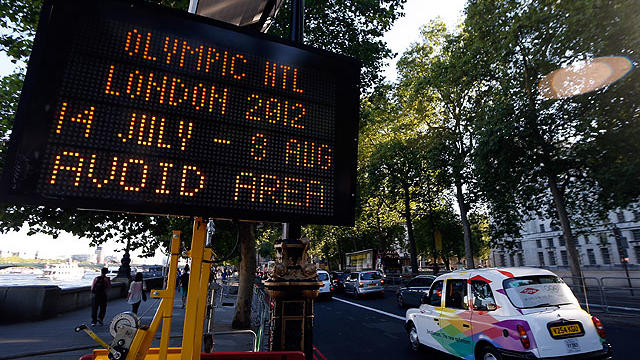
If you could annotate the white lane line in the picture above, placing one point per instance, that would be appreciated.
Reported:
(371, 309)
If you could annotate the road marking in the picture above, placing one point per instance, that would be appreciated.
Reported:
(371, 309)
(319, 353)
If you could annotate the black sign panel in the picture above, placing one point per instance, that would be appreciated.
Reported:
(145, 109)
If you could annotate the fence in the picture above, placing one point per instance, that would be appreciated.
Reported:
(608, 294)
(260, 308)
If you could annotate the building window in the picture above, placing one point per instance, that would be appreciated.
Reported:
(542, 228)
(606, 258)
(636, 235)
(550, 242)
(552, 258)
(636, 249)
(636, 215)
(555, 227)
(620, 216)
(539, 242)
(502, 260)
(586, 239)
(604, 239)
(541, 258)
(591, 256)
(565, 259)
(561, 241)
(520, 259)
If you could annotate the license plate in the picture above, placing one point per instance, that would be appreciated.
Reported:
(373, 285)
(572, 345)
(568, 330)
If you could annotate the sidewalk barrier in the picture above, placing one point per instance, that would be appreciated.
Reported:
(240, 332)
(609, 294)
(260, 308)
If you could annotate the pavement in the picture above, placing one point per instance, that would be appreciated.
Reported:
(55, 335)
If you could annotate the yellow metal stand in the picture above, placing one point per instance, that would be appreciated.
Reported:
(197, 292)
(144, 337)
(195, 306)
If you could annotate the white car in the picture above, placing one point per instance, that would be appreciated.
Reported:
(490, 314)
(326, 290)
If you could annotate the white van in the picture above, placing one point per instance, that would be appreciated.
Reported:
(326, 290)
(490, 314)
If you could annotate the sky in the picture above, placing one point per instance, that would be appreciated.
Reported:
(405, 31)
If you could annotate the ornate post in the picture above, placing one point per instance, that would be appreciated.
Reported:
(292, 284)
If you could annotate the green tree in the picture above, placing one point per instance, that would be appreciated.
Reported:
(398, 168)
(441, 83)
(548, 157)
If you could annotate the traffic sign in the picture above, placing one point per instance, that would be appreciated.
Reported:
(134, 107)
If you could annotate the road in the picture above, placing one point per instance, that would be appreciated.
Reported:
(345, 330)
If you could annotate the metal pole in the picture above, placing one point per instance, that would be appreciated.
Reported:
(626, 270)
(297, 21)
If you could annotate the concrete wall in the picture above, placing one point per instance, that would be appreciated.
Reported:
(29, 303)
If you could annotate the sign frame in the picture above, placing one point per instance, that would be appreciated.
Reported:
(44, 78)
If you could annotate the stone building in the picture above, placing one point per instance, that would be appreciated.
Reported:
(542, 245)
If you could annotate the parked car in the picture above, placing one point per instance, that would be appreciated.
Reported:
(337, 281)
(364, 282)
(525, 313)
(326, 291)
(411, 294)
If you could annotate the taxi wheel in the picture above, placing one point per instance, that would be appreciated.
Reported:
(414, 343)
(488, 352)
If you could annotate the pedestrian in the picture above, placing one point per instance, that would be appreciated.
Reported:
(178, 279)
(184, 284)
(224, 277)
(99, 297)
(136, 293)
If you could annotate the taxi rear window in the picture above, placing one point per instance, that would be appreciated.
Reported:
(538, 291)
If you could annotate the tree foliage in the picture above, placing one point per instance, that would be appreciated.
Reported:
(523, 138)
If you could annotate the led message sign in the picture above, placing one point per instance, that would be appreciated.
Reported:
(133, 107)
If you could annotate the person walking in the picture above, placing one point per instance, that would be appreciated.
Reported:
(136, 293)
(184, 284)
(99, 297)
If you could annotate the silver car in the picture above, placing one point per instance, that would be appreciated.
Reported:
(364, 282)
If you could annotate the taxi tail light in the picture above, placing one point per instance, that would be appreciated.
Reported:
(524, 338)
(381, 282)
(332, 288)
(361, 285)
(599, 328)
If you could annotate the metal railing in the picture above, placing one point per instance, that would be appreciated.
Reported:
(260, 308)
(609, 294)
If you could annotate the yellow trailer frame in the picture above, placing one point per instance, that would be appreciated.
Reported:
(195, 306)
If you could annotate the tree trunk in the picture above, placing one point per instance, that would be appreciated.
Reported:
(436, 268)
(468, 250)
(574, 257)
(412, 240)
(242, 316)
